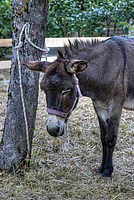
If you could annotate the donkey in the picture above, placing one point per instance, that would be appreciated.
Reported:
(103, 71)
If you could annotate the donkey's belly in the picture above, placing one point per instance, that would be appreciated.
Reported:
(129, 103)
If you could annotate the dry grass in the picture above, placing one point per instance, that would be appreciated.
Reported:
(64, 168)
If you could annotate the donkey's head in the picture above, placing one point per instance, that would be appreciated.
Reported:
(60, 85)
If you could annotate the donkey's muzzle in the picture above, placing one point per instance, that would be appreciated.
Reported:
(55, 125)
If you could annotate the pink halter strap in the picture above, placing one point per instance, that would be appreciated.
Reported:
(77, 85)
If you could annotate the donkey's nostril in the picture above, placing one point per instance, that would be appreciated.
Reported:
(53, 131)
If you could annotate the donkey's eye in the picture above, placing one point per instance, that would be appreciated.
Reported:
(65, 92)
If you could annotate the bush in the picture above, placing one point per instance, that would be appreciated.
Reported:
(6, 19)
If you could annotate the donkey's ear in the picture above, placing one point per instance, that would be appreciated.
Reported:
(38, 66)
(76, 66)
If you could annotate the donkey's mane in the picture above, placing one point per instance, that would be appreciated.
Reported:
(74, 47)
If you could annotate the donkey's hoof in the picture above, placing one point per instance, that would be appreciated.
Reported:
(100, 170)
(107, 172)
(106, 175)
(107, 178)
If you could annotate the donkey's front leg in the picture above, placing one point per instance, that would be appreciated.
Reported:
(109, 122)
(103, 130)
(110, 141)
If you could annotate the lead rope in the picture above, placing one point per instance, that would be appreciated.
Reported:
(20, 44)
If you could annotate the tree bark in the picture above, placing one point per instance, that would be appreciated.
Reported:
(14, 143)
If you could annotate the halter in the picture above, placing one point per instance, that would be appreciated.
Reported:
(65, 115)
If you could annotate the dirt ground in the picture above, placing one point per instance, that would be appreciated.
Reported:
(64, 168)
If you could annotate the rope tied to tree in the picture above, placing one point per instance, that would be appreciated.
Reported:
(25, 29)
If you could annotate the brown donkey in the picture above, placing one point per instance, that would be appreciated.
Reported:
(103, 71)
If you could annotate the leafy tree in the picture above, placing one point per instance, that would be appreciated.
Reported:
(67, 16)
(5, 24)
(115, 12)
(6, 19)
(88, 17)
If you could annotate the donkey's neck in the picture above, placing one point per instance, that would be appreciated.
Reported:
(93, 81)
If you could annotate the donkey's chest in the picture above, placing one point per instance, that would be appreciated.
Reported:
(103, 110)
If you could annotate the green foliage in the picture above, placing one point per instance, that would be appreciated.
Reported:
(88, 18)
(67, 16)
(6, 19)
(5, 24)
(5, 53)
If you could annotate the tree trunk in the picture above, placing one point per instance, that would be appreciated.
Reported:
(14, 149)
